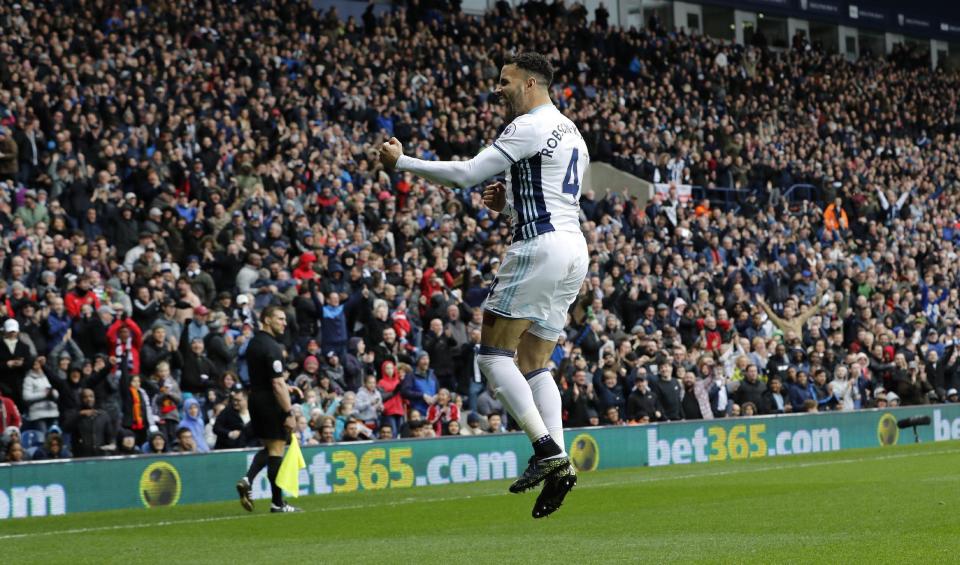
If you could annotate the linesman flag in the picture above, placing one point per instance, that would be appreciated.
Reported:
(288, 477)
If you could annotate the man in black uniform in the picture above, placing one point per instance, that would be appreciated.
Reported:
(271, 413)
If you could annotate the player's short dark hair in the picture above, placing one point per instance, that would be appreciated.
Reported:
(269, 311)
(536, 64)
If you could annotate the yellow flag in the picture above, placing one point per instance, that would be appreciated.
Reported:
(288, 478)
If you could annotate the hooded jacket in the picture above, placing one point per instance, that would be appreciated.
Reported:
(148, 446)
(393, 401)
(132, 348)
(304, 270)
(195, 425)
(123, 434)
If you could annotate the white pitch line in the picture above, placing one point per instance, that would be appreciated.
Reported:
(124, 527)
(399, 502)
(410, 500)
(769, 468)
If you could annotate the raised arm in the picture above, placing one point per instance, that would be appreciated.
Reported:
(884, 203)
(489, 162)
(519, 140)
(777, 320)
(813, 309)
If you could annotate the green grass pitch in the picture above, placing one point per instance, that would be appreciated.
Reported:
(891, 505)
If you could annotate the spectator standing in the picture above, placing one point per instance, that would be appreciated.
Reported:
(420, 387)
(369, 403)
(443, 412)
(9, 414)
(16, 359)
(670, 393)
(394, 408)
(92, 429)
(192, 422)
(40, 398)
(232, 426)
(751, 389)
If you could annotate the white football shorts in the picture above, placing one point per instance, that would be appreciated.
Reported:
(539, 279)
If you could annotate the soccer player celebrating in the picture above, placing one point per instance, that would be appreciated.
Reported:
(271, 413)
(544, 157)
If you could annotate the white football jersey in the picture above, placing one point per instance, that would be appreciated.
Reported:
(548, 160)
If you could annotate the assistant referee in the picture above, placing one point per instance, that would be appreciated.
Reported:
(271, 413)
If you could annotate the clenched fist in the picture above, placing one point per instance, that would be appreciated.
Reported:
(495, 196)
(390, 152)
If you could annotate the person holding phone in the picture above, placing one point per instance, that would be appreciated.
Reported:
(15, 361)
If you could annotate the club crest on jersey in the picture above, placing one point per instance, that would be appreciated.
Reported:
(509, 130)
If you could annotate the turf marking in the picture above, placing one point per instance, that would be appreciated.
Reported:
(409, 500)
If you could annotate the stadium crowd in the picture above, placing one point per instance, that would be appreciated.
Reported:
(169, 169)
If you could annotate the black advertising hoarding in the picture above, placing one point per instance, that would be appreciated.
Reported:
(920, 18)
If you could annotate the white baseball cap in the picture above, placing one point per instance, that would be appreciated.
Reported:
(243, 299)
(11, 325)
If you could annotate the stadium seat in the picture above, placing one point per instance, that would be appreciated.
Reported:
(31, 439)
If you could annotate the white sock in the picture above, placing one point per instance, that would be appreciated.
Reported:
(546, 395)
(499, 368)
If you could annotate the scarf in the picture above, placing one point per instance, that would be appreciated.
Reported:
(137, 423)
(124, 348)
(330, 312)
(722, 398)
(167, 405)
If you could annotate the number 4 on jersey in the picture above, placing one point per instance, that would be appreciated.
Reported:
(571, 181)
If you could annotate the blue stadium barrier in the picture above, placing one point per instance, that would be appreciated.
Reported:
(727, 199)
(801, 192)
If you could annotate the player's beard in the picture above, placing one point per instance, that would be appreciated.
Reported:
(510, 108)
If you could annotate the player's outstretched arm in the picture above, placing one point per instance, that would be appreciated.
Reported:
(488, 163)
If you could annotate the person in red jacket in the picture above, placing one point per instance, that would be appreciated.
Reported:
(80, 295)
(401, 324)
(712, 331)
(17, 298)
(304, 270)
(393, 407)
(9, 415)
(443, 412)
(125, 338)
(403, 186)
(835, 219)
(435, 279)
